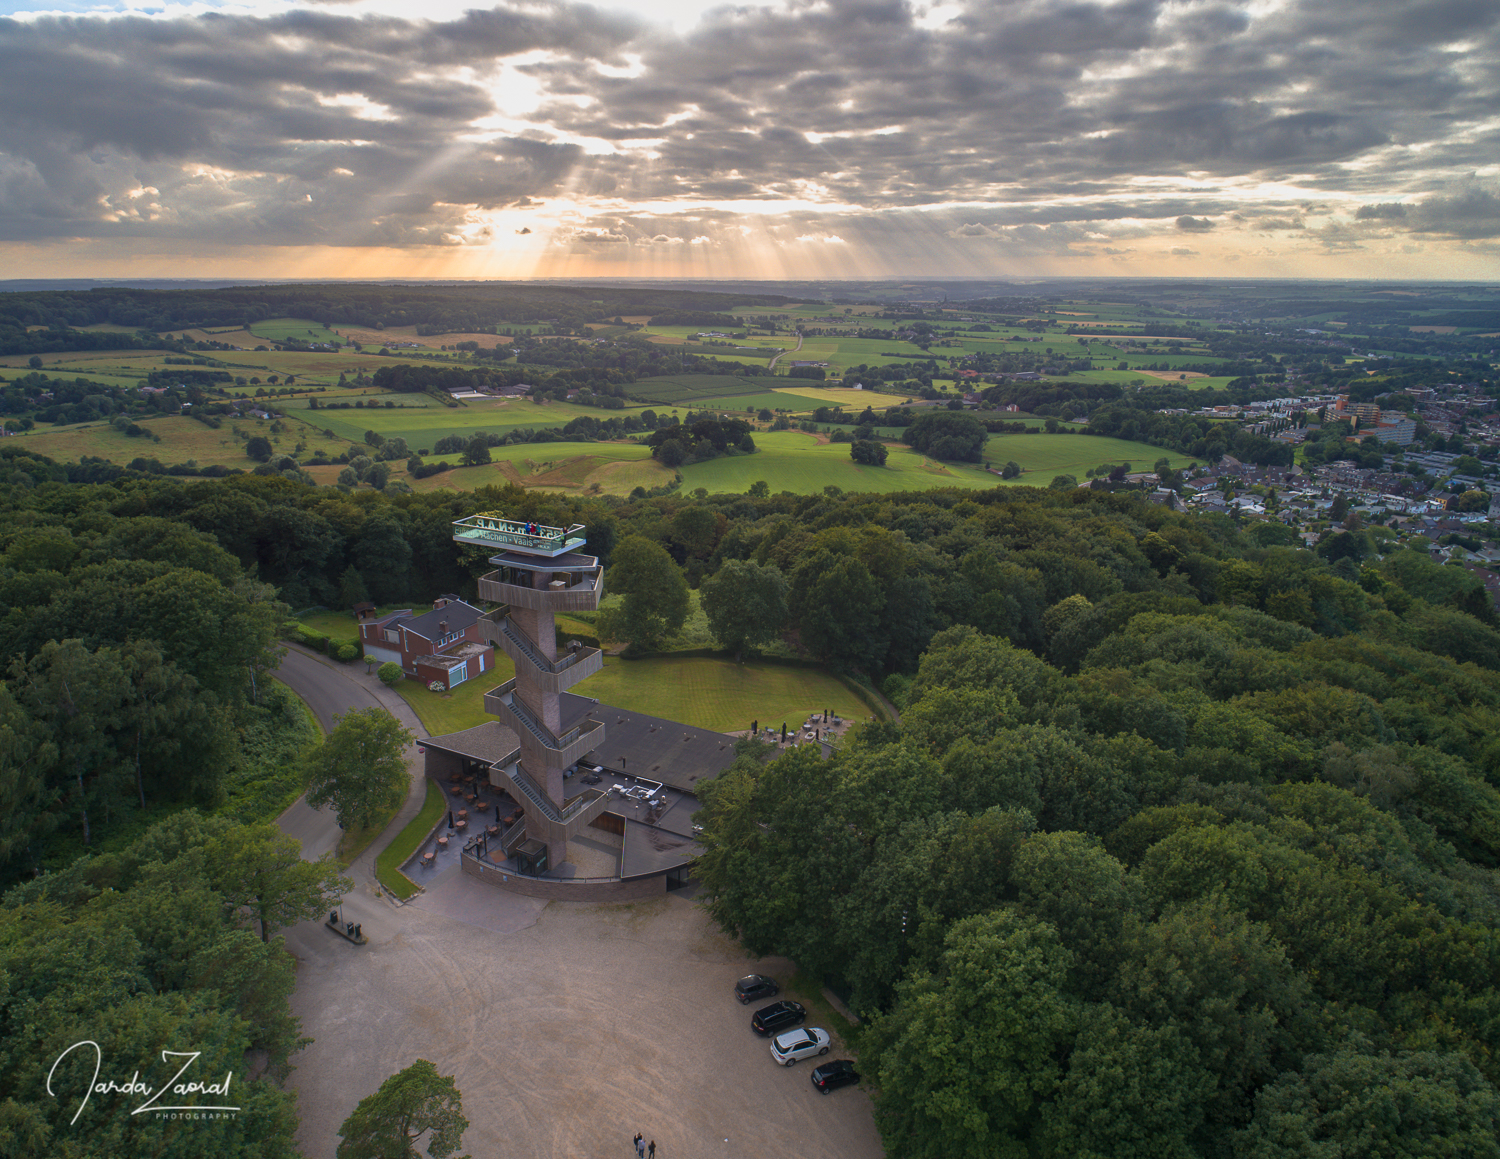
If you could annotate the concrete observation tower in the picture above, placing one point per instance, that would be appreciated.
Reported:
(538, 573)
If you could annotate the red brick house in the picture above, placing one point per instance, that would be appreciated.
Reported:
(445, 644)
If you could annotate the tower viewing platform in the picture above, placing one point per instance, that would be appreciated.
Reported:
(538, 573)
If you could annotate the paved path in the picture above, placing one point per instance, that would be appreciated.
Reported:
(772, 364)
(331, 689)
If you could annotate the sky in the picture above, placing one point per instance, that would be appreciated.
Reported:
(790, 139)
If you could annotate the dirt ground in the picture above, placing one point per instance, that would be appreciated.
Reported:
(568, 1028)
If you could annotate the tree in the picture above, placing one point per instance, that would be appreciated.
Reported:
(1355, 1102)
(390, 673)
(1062, 483)
(759, 489)
(476, 452)
(869, 452)
(656, 594)
(1010, 470)
(35, 362)
(745, 604)
(947, 435)
(260, 868)
(352, 588)
(409, 1104)
(360, 767)
(971, 1052)
(259, 448)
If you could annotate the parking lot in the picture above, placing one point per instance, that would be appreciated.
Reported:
(569, 1028)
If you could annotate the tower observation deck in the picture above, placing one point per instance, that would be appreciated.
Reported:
(538, 573)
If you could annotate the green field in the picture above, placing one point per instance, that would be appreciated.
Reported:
(422, 423)
(181, 439)
(797, 462)
(1043, 456)
(300, 329)
(578, 468)
(689, 389)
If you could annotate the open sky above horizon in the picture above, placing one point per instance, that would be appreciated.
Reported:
(793, 139)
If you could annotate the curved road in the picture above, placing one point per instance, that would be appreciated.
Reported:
(330, 690)
(772, 364)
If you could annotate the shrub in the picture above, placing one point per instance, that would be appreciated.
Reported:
(347, 653)
(390, 673)
(436, 686)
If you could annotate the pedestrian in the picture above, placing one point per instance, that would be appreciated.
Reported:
(640, 1148)
(651, 1150)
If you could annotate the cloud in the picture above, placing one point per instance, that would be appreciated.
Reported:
(524, 230)
(1182, 251)
(1470, 214)
(1021, 130)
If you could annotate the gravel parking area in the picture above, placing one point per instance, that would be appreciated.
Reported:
(569, 1028)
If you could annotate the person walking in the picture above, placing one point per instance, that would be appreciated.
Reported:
(640, 1148)
(651, 1150)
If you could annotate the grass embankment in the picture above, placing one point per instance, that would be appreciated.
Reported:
(389, 862)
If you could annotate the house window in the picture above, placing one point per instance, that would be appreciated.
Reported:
(392, 636)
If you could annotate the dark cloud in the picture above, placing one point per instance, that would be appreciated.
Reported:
(1045, 121)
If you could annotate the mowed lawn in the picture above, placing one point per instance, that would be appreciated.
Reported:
(1041, 457)
(703, 691)
(719, 694)
(795, 461)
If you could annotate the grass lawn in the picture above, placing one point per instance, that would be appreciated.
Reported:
(1043, 456)
(445, 712)
(388, 861)
(714, 693)
(703, 691)
(795, 461)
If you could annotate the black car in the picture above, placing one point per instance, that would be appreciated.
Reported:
(832, 1075)
(755, 986)
(778, 1016)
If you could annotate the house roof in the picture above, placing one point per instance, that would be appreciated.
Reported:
(458, 615)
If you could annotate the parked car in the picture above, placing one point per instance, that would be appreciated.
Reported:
(832, 1075)
(778, 1016)
(755, 986)
(794, 1044)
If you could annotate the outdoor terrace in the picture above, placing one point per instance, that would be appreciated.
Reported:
(490, 530)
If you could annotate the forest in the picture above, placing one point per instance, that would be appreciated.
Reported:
(1186, 842)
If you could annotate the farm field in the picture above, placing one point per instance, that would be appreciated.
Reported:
(422, 425)
(691, 389)
(796, 461)
(771, 400)
(616, 469)
(181, 439)
(1043, 456)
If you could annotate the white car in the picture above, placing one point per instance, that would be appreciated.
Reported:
(804, 1042)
